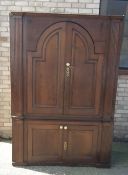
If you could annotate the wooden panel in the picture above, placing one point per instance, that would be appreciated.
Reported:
(84, 84)
(112, 69)
(16, 65)
(43, 87)
(106, 144)
(44, 142)
(82, 143)
(45, 73)
(17, 141)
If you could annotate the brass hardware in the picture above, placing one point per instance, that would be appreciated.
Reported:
(67, 69)
(65, 146)
(67, 64)
(65, 127)
(61, 127)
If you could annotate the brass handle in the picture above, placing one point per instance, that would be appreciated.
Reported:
(61, 127)
(65, 127)
(65, 146)
(67, 69)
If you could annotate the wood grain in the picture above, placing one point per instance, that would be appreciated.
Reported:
(64, 71)
(16, 65)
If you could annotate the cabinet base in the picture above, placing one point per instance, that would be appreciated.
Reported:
(97, 165)
(19, 164)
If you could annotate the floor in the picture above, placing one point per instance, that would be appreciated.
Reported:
(119, 164)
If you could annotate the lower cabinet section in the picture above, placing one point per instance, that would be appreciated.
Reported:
(69, 143)
(58, 142)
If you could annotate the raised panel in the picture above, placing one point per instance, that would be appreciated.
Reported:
(17, 141)
(83, 77)
(83, 140)
(84, 91)
(82, 143)
(45, 73)
(44, 142)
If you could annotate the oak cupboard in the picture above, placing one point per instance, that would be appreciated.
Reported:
(63, 86)
(52, 142)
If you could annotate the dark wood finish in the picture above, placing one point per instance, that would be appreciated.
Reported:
(44, 142)
(106, 143)
(16, 66)
(82, 142)
(63, 76)
(17, 140)
(123, 71)
(83, 88)
(112, 69)
(45, 73)
(45, 80)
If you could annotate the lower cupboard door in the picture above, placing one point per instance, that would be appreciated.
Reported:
(82, 144)
(44, 142)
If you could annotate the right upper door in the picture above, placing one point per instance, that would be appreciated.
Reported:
(83, 73)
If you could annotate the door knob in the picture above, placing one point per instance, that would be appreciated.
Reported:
(65, 127)
(61, 127)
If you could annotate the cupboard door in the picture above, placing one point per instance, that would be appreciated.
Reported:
(82, 143)
(84, 81)
(44, 142)
(45, 72)
(64, 75)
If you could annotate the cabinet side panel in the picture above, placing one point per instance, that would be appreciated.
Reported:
(17, 140)
(16, 64)
(112, 68)
(106, 143)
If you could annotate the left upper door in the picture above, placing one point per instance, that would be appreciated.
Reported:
(45, 74)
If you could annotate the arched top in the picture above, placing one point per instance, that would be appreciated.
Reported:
(84, 35)
(64, 27)
(48, 33)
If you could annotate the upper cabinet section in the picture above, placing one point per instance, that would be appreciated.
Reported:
(65, 63)
(64, 75)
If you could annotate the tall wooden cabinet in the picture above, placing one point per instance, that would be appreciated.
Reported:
(63, 84)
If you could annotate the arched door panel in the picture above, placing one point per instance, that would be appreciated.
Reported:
(45, 73)
(64, 75)
(83, 90)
